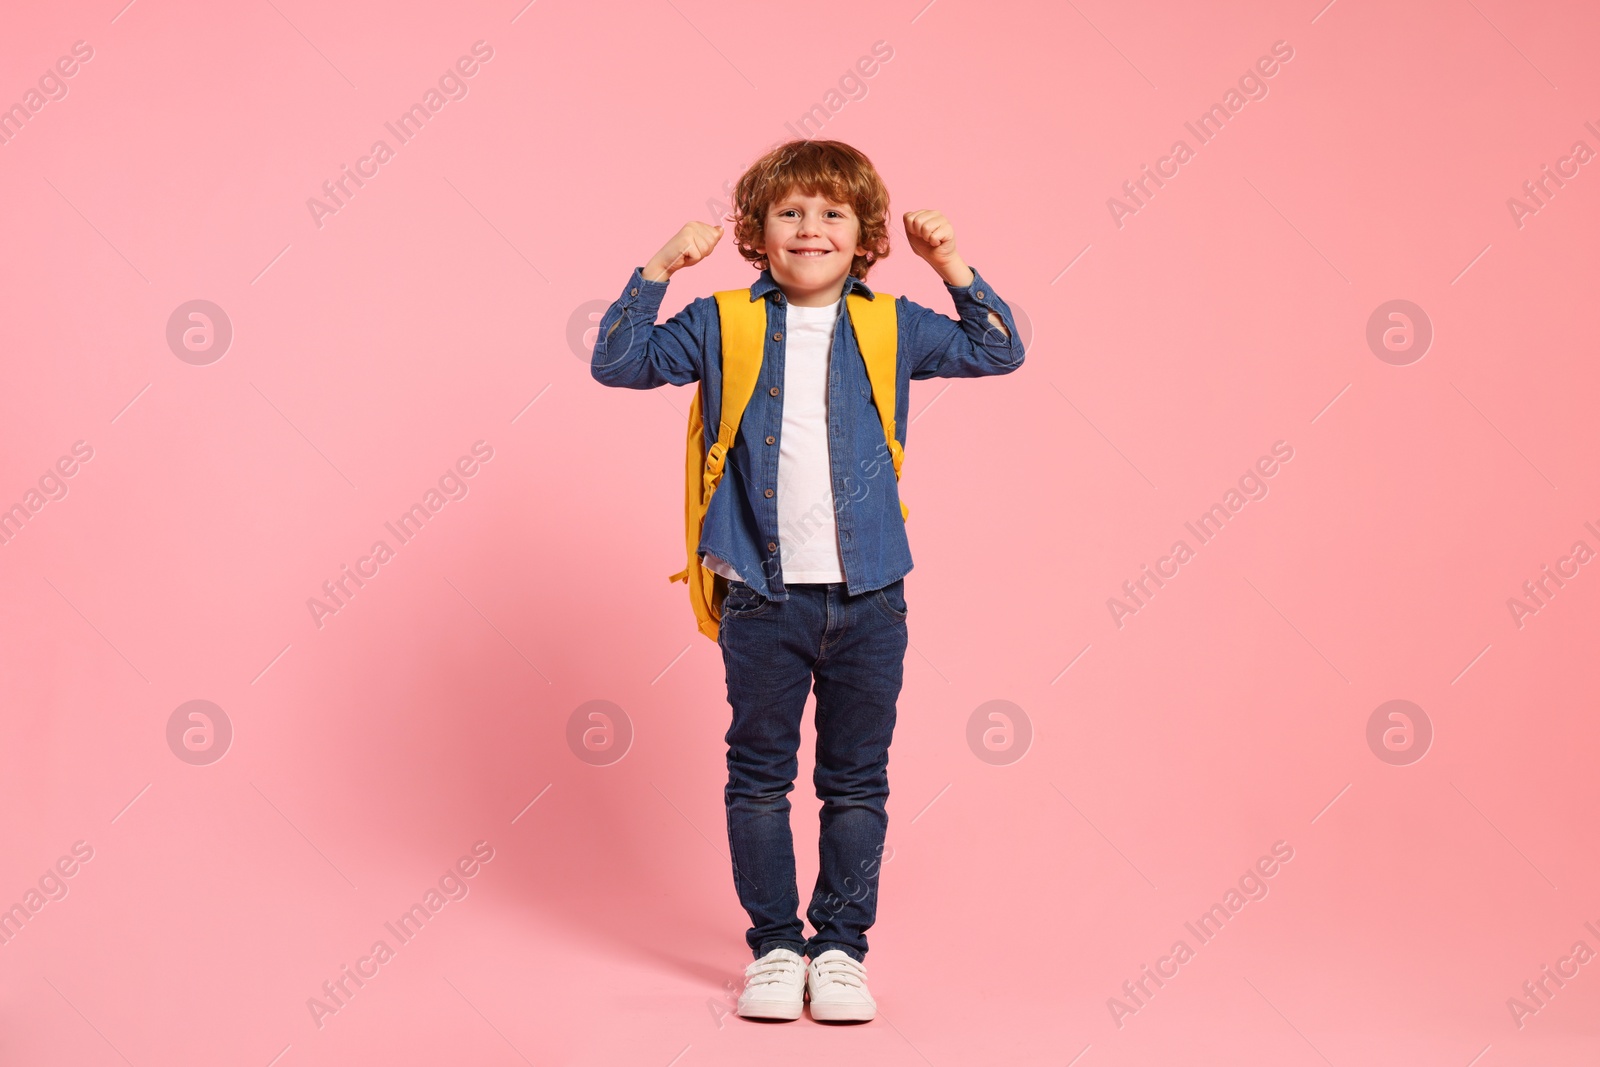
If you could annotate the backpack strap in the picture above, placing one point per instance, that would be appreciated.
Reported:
(878, 339)
(744, 330)
(743, 327)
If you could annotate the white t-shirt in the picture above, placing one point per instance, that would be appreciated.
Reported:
(808, 534)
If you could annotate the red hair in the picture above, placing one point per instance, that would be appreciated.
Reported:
(816, 168)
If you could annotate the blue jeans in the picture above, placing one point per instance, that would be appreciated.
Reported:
(854, 648)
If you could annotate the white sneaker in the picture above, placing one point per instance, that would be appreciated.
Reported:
(838, 987)
(774, 986)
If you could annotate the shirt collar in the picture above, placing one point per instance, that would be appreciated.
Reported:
(765, 284)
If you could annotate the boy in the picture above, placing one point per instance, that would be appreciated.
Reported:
(809, 533)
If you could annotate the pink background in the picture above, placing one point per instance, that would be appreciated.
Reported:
(441, 301)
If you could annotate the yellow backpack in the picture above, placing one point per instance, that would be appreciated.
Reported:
(744, 328)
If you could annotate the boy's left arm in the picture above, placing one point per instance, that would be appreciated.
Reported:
(984, 340)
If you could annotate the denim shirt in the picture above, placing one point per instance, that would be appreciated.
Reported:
(632, 351)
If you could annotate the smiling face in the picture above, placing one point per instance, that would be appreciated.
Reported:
(810, 243)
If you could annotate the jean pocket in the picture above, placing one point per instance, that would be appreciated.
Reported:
(743, 602)
(892, 599)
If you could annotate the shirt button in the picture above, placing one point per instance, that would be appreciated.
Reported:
(772, 546)
(778, 336)
(633, 292)
(778, 297)
(980, 294)
(769, 492)
(773, 390)
(771, 439)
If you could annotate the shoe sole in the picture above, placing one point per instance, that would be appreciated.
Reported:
(771, 1010)
(842, 1013)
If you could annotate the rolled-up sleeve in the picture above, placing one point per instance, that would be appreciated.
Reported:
(970, 347)
(633, 351)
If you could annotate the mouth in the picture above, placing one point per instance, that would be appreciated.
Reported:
(809, 253)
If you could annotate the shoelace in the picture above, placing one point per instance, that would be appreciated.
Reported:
(846, 971)
(770, 972)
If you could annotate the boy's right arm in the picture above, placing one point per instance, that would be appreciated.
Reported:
(633, 352)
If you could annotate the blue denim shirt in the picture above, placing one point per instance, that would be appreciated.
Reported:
(632, 351)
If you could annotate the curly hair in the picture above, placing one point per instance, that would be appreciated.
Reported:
(827, 168)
